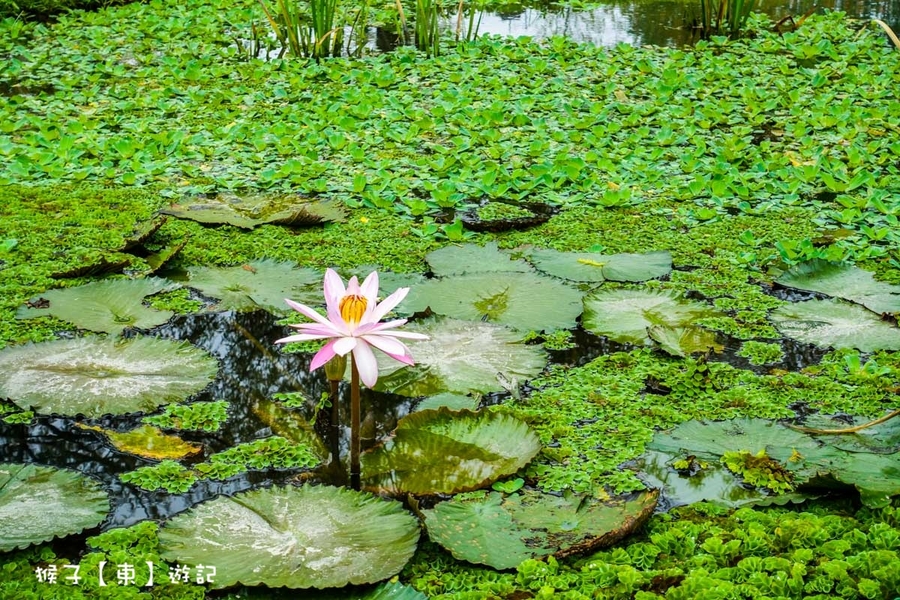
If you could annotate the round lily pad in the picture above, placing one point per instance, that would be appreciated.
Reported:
(472, 258)
(502, 532)
(592, 267)
(38, 504)
(295, 537)
(461, 357)
(835, 324)
(95, 376)
(259, 284)
(444, 452)
(843, 281)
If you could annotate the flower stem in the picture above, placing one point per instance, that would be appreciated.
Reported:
(354, 425)
(335, 422)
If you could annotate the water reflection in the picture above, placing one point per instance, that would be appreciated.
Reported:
(639, 22)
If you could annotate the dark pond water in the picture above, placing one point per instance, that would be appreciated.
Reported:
(656, 22)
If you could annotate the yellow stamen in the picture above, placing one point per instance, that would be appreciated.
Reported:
(353, 308)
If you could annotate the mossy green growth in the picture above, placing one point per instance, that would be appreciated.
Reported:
(19, 418)
(761, 353)
(168, 475)
(559, 339)
(198, 416)
(497, 211)
(268, 453)
(759, 470)
(178, 301)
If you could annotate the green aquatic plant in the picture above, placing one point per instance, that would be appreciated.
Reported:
(197, 416)
(727, 17)
(268, 453)
(168, 475)
(761, 353)
(316, 35)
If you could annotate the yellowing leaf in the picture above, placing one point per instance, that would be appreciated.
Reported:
(149, 442)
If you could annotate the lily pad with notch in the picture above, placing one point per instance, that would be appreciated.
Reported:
(472, 258)
(96, 376)
(843, 281)
(506, 216)
(835, 324)
(596, 268)
(38, 504)
(104, 306)
(501, 531)
(258, 284)
(294, 537)
(445, 452)
(522, 300)
(624, 315)
(462, 357)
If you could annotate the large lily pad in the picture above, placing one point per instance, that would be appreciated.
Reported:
(148, 441)
(798, 457)
(252, 211)
(502, 532)
(95, 376)
(843, 281)
(259, 284)
(835, 324)
(472, 258)
(38, 504)
(105, 306)
(295, 537)
(522, 300)
(591, 267)
(462, 357)
(624, 315)
(444, 452)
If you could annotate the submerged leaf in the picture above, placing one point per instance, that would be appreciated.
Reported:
(252, 211)
(97, 376)
(835, 324)
(502, 532)
(259, 284)
(38, 504)
(524, 301)
(445, 452)
(149, 442)
(449, 400)
(461, 357)
(592, 267)
(289, 424)
(295, 537)
(105, 306)
(624, 315)
(684, 341)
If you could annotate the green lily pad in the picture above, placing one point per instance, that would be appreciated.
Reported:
(592, 267)
(835, 324)
(148, 441)
(684, 341)
(96, 376)
(444, 452)
(449, 400)
(105, 306)
(502, 532)
(843, 281)
(472, 258)
(522, 300)
(625, 315)
(38, 504)
(295, 537)
(289, 424)
(259, 284)
(461, 357)
(252, 211)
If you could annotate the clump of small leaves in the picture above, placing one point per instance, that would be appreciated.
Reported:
(269, 453)
(759, 470)
(19, 418)
(291, 399)
(761, 353)
(559, 339)
(199, 416)
(178, 301)
(168, 475)
(495, 211)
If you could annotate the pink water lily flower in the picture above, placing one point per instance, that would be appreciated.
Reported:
(353, 325)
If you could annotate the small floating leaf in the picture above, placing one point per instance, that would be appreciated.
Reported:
(472, 258)
(259, 284)
(502, 532)
(591, 267)
(105, 306)
(624, 315)
(445, 452)
(835, 324)
(97, 376)
(523, 300)
(461, 357)
(149, 442)
(38, 504)
(295, 537)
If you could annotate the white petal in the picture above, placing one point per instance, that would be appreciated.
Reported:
(345, 345)
(366, 363)
(388, 304)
